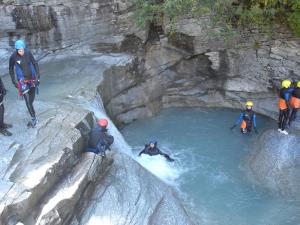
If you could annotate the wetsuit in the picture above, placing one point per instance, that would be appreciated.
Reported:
(283, 105)
(99, 141)
(27, 73)
(154, 151)
(246, 119)
(295, 104)
(2, 93)
(3, 126)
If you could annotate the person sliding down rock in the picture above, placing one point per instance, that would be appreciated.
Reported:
(283, 105)
(247, 119)
(294, 103)
(25, 67)
(99, 140)
(3, 126)
(152, 149)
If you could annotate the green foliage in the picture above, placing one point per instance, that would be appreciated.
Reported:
(243, 14)
(293, 17)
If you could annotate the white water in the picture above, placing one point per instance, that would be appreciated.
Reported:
(208, 170)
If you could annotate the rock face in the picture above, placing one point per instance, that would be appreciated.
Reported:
(123, 196)
(48, 26)
(46, 179)
(275, 163)
(194, 68)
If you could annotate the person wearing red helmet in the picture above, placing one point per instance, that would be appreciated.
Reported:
(99, 140)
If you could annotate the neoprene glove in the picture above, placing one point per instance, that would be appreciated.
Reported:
(231, 128)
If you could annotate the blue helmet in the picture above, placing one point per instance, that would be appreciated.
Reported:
(153, 142)
(20, 44)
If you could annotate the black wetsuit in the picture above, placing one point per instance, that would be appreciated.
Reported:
(2, 93)
(296, 94)
(27, 74)
(99, 140)
(154, 151)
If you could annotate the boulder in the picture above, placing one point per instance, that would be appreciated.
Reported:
(274, 163)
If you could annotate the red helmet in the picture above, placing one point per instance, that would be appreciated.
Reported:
(102, 122)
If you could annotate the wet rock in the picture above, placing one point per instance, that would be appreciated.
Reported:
(48, 153)
(51, 26)
(275, 162)
(45, 177)
(124, 196)
(193, 67)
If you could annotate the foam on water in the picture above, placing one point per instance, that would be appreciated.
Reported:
(159, 166)
(208, 170)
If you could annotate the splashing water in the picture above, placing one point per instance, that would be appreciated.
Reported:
(208, 169)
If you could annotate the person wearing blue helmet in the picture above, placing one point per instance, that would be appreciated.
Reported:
(24, 73)
(152, 149)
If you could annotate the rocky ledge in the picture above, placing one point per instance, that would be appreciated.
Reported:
(275, 162)
(47, 179)
(192, 67)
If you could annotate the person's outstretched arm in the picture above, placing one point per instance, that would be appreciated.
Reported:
(143, 151)
(254, 122)
(12, 70)
(238, 121)
(165, 155)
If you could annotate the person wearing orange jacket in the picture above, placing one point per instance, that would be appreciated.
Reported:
(247, 119)
(294, 103)
(283, 105)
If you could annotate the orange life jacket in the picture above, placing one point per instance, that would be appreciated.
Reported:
(295, 102)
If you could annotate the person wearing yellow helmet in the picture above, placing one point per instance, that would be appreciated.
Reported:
(283, 105)
(247, 119)
(294, 103)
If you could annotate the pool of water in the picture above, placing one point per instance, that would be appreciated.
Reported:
(208, 171)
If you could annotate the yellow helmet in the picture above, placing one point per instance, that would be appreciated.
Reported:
(249, 103)
(298, 84)
(286, 83)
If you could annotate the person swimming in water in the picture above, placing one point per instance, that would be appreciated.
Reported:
(247, 119)
(152, 150)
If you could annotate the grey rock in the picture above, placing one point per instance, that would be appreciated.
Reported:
(124, 196)
(52, 26)
(274, 164)
(193, 67)
(45, 178)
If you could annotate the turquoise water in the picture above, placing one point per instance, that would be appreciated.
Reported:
(208, 171)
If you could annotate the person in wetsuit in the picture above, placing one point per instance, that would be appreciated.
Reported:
(24, 73)
(3, 126)
(247, 119)
(152, 149)
(99, 140)
(283, 105)
(294, 103)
